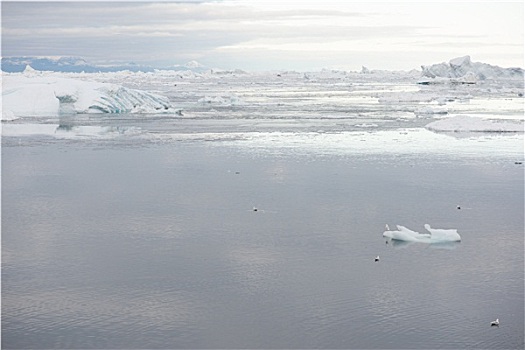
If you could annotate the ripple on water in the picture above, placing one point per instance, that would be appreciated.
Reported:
(123, 315)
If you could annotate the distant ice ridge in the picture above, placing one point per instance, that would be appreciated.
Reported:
(463, 123)
(229, 100)
(433, 236)
(34, 94)
(463, 70)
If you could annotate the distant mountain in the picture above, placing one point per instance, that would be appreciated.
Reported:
(78, 64)
(64, 64)
(191, 65)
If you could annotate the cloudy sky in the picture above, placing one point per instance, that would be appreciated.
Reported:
(268, 35)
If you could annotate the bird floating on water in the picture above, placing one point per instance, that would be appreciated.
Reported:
(377, 258)
(495, 323)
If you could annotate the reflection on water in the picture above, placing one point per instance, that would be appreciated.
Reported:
(443, 245)
(157, 247)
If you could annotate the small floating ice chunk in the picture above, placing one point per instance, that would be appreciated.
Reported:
(434, 236)
(443, 235)
(403, 234)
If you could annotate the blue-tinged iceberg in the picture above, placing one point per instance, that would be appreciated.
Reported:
(433, 236)
(36, 94)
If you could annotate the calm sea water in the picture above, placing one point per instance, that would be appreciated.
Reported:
(158, 246)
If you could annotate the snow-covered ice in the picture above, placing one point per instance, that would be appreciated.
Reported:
(464, 123)
(463, 70)
(228, 100)
(328, 111)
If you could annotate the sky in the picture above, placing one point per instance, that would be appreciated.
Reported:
(268, 35)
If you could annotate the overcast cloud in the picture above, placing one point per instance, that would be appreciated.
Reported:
(260, 35)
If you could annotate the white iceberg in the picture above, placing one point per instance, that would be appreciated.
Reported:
(433, 236)
(463, 123)
(34, 94)
(463, 71)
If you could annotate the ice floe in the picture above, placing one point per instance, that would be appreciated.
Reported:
(433, 236)
(463, 123)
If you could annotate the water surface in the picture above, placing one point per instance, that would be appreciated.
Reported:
(158, 246)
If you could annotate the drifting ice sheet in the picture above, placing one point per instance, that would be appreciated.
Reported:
(434, 235)
(471, 124)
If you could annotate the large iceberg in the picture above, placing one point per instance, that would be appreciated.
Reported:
(463, 70)
(35, 94)
(433, 236)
